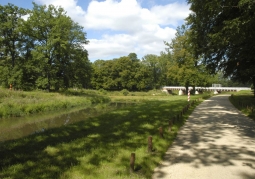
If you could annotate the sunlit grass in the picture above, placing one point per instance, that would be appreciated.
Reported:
(99, 147)
(21, 103)
(245, 102)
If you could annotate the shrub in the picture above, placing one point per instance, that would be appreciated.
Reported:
(125, 92)
(102, 91)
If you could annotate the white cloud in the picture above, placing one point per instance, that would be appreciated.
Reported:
(142, 30)
(171, 13)
(110, 14)
(73, 10)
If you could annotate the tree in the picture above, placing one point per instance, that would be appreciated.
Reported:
(163, 60)
(120, 73)
(184, 67)
(133, 57)
(222, 34)
(81, 70)
(106, 75)
(58, 46)
(11, 43)
(45, 51)
(142, 77)
(127, 69)
(152, 63)
(97, 79)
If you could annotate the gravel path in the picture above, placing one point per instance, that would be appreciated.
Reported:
(216, 142)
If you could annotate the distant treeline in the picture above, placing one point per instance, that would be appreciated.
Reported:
(43, 48)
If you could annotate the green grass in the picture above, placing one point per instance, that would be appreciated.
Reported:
(20, 103)
(245, 102)
(99, 147)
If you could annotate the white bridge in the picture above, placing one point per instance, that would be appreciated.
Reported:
(219, 89)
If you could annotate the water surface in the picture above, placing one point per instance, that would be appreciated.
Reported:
(18, 127)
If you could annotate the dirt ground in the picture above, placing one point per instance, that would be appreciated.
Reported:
(217, 142)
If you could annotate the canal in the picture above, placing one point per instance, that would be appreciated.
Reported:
(18, 127)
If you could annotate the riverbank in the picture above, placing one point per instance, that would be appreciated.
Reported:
(21, 103)
(101, 146)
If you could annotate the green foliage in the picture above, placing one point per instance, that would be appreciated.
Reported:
(151, 62)
(99, 147)
(46, 51)
(102, 91)
(228, 82)
(19, 103)
(133, 57)
(222, 35)
(184, 68)
(244, 101)
(121, 73)
(130, 73)
(125, 92)
(11, 42)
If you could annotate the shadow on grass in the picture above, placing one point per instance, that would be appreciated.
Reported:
(96, 148)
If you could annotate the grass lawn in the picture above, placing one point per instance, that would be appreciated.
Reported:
(245, 102)
(101, 146)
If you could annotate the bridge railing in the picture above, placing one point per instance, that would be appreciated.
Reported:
(207, 88)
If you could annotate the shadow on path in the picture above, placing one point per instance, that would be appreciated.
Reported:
(216, 142)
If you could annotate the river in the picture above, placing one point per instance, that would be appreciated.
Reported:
(18, 127)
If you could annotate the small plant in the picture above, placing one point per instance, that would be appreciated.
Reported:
(102, 91)
(125, 92)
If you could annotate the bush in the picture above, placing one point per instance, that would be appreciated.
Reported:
(125, 92)
(102, 91)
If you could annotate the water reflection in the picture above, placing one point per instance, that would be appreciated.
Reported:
(14, 128)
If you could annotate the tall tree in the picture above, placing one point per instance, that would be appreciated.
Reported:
(58, 43)
(133, 57)
(163, 60)
(151, 61)
(185, 68)
(11, 41)
(222, 34)
(121, 73)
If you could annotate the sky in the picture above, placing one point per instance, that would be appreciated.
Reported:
(116, 28)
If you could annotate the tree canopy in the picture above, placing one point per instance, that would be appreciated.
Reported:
(45, 51)
(222, 33)
(184, 67)
(120, 73)
(43, 48)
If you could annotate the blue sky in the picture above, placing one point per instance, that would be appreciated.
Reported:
(116, 28)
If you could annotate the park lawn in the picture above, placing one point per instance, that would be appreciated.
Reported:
(245, 102)
(101, 146)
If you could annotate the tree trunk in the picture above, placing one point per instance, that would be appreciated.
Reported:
(48, 84)
(253, 82)
(187, 89)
